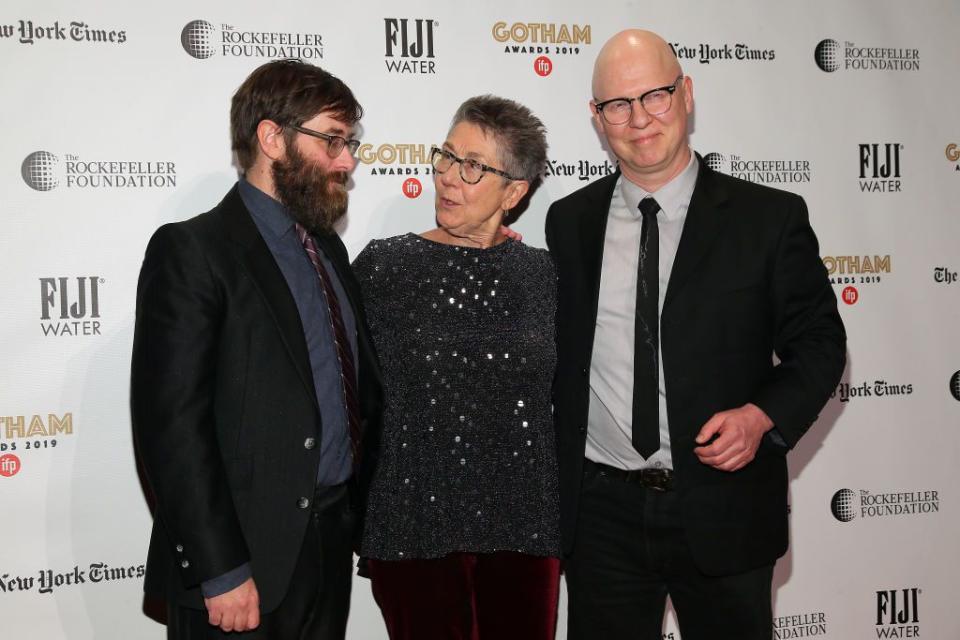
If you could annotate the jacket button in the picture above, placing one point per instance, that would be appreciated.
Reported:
(303, 503)
(585, 372)
(179, 548)
(309, 443)
(185, 563)
(582, 429)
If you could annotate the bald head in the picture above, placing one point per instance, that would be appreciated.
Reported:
(629, 49)
(651, 146)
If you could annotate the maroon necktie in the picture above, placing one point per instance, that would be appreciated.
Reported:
(348, 372)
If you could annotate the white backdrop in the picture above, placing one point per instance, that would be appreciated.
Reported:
(116, 121)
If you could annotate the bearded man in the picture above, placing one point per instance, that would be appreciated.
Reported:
(255, 391)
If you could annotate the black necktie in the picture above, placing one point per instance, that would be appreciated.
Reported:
(646, 350)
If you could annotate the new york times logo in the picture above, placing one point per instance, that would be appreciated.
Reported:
(583, 170)
(760, 171)
(830, 56)
(409, 45)
(876, 389)
(705, 53)
(43, 171)
(28, 32)
(202, 40)
(846, 505)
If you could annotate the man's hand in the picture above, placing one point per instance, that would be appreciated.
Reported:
(511, 234)
(236, 610)
(738, 433)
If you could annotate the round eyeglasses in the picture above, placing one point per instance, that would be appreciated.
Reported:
(471, 171)
(655, 102)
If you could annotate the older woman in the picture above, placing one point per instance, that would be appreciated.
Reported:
(462, 524)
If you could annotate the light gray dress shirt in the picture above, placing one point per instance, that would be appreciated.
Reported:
(610, 418)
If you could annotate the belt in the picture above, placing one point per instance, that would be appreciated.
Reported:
(656, 479)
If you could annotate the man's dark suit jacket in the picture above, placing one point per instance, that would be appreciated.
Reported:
(747, 283)
(225, 414)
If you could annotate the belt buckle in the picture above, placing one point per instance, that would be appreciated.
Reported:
(657, 479)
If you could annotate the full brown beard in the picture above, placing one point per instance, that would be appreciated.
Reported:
(306, 189)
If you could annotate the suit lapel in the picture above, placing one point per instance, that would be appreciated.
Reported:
(704, 216)
(255, 256)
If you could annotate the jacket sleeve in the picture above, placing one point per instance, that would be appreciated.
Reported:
(809, 338)
(180, 308)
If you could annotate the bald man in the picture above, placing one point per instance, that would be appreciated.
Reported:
(698, 339)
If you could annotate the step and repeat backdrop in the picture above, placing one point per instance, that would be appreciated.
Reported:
(115, 118)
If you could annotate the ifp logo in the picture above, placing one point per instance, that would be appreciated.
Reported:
(412, 188)
(542, 66)
(9, 465)
(850, 295)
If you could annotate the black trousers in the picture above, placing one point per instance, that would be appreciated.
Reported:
(630, 552)
(317, 601)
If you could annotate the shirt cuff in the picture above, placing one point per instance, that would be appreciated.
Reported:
(227, 582)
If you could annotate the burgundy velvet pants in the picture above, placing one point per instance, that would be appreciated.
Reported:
(468, 596)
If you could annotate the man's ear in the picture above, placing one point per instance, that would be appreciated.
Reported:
(270, 138)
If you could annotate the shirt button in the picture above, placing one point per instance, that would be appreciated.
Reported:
(309, 443)
(185, 564)
(179, 548)
(303, 503)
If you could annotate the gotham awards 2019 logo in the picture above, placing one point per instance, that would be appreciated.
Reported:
(955, 386)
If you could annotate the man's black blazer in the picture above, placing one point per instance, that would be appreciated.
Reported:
(747, 283)
(225, 415)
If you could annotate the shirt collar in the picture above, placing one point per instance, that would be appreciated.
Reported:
(673, 197)
(269, 212)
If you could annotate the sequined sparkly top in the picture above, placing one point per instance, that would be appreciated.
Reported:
(466, 344)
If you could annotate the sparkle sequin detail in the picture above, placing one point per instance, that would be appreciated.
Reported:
(450, 475)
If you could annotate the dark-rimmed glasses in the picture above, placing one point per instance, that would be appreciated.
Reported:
(655, 102)
(471, 171)
(335, 144)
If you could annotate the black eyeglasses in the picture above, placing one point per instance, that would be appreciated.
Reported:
(655, 102)
(471, 171)
(335, 144)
